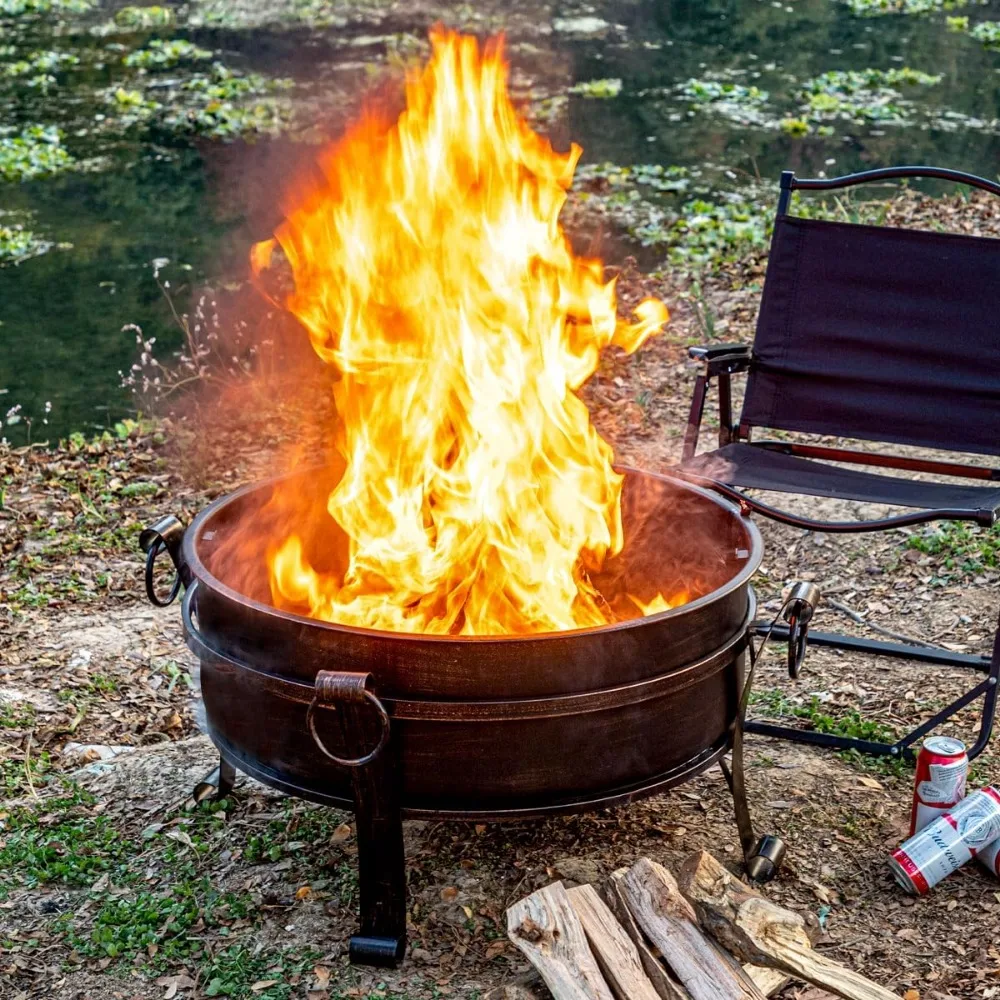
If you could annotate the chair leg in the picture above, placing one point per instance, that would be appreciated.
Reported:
(989, 700)
(987, 689)
(694, 417)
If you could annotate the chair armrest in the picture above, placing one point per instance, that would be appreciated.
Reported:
(723, 359)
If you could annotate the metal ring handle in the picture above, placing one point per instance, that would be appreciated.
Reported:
(155, 549)
(798, 637)
(383, 716)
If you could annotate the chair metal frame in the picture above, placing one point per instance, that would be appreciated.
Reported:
(722, 361)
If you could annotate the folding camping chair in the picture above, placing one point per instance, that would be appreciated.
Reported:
(879, 334)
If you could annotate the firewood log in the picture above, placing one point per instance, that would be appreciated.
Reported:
(768, 981)
(665, 985)
(756, 930)
(545, 927)
(614, 950)
(670, 923)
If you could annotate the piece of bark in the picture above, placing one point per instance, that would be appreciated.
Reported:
(756, 930)
(617, 956)
(545, 927)
(665, 985)
(670, 923)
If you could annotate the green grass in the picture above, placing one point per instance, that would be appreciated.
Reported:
(775, 704)
(126, 926)
(75, 848)
(17, 715)
(959, 547)
(233, 972)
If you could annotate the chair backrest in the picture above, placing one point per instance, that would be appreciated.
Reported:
(877, 333)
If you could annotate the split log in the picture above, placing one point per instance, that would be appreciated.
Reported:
(667, 988)
(545, 927)
(617, 956)
(768, 981)
(758, 931)
(671, 924)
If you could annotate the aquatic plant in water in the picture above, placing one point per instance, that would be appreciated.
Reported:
(15, 8)
(36, 152)
(39, 67)
(600, 89)
(18, 244)
(868, 95)
(735, 101)
(212, 104)
(144, 17)
(609, 176)
(161, 54)
(876, 8)
(987, 32)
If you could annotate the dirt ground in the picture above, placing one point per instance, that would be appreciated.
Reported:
(111, 886)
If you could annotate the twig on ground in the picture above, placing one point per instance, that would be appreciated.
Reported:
(27, 767)
(861, 620)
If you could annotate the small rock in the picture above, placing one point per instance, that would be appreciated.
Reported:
(579, 25)
(86, 753)
(581, 870)
(81, 658)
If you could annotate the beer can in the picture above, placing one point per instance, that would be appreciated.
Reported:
(990, 858)
(948, 842)
(939, 785)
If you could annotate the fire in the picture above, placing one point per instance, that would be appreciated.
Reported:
(431, 272)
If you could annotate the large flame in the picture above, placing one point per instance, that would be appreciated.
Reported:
(431, 271)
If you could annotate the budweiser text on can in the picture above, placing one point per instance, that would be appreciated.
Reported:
(990, 857)
(942, 768)
(948, 842)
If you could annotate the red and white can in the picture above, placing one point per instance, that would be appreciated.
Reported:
(948, 842)
(990, 858)
(942, 770)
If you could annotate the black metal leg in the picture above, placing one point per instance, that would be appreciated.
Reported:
(987, 689)
(762, 858)
(381, 863)
(217, 784)
(370, 754)
(989, 700)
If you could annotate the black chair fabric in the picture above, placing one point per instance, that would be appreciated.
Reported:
(754, 467)
(881, 334)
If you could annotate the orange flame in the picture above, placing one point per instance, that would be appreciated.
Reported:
(431, 271)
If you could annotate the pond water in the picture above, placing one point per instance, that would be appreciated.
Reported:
(172, 157)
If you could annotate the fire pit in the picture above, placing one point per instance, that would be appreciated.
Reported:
(473, 614)
(396, 725)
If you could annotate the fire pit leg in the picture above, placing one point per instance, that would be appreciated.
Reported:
(381, 864)
(762, 858)
(217, 784)
(375, 783)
